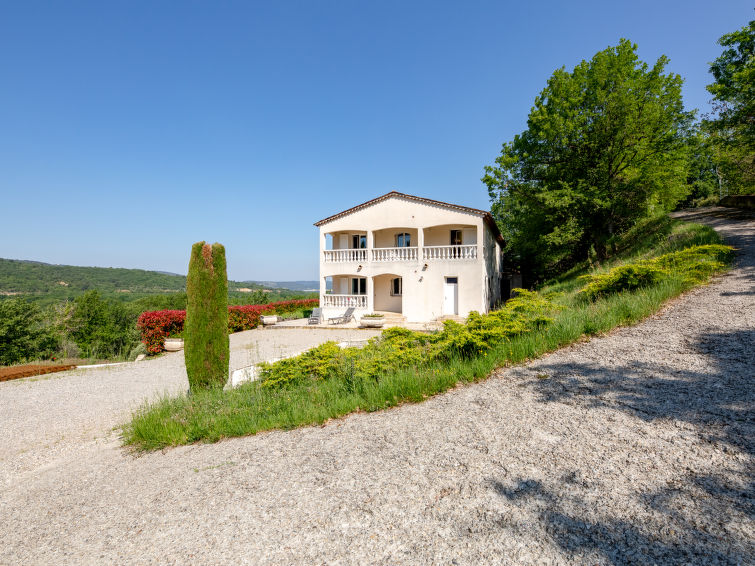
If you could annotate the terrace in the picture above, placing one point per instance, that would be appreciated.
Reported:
(397, 244)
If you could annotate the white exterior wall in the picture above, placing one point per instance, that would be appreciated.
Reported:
(423, 287)
(384, 301)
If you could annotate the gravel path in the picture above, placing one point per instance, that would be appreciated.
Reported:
(638, 447)
(45, 420)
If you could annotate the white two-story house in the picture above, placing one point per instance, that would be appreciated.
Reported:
(418, 257)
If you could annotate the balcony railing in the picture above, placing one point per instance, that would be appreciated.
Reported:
(345, 301)
(394, 254)
(449, 252)
(428, 253)
(341, 256)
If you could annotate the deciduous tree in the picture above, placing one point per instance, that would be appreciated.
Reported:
(732, 125)
(23, 334)
(604, 144)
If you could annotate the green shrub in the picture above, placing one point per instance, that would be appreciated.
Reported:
(137, 351)
(23, 335)
(694, 265)
(399, 348)
(397, 367)
(102, 328)
(206, 345)
(622, 278)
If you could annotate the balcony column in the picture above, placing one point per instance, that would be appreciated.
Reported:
(420, 245)
(370, 294)
(323, 290)
(370, 244)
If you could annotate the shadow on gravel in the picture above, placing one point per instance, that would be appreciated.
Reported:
(714, 215)
(718, 402)
(694, 518)
(679, 539)
(692, 514)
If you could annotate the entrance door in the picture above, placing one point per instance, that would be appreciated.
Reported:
(451, 295)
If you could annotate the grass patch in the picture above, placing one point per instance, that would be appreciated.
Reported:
(405, 367)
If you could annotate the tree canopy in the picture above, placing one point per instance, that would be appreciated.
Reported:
(604, 144)
(732, 129)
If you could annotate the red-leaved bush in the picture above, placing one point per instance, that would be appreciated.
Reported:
(156, 326)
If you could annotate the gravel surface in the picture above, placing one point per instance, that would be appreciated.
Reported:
(47, 419)
(636, 447)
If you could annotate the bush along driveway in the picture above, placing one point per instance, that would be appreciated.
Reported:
(635, 446)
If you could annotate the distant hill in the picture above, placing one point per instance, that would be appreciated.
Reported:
(37, 277)
(43, 281)
(293, 285)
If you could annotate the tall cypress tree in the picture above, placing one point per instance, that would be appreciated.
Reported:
(206, 345)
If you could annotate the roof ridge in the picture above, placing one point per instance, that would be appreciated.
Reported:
(484, 213)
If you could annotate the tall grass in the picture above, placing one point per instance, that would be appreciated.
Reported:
(212, 415)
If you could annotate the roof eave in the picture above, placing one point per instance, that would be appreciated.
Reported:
(487, 217)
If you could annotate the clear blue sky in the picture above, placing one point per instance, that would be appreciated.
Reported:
(130, 130)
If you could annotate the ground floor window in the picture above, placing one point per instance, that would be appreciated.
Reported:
(359, 286)
(397, 287)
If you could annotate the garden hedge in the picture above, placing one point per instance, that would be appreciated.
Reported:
(156, 326)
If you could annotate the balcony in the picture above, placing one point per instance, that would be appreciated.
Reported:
(378, 255)
(449, 252)
(344, 301)
(394, 254)
(345, 256)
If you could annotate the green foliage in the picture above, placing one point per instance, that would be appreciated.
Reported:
(102, 328)
(732, 129)
(604, 145)
(395, 369)
(206, 344)
(137, 351)
(73, 322)
(399, 348)
(23, 335)
(702, 177)
(697, 263)
(734, 86)
(173, 301)
(146, 290)
(694, 265)
(622, 278)
(314, 364)
(68, 281)
(212, 415)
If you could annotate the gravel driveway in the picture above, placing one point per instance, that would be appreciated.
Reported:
(636, 448)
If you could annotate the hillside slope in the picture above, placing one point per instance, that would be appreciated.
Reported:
(20, 276)
(45, 282)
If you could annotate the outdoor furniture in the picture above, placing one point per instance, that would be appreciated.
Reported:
(316, 316)
(344, 318)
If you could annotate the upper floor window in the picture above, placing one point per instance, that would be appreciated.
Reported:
(403, 240)
(455, 237)
(358, 241)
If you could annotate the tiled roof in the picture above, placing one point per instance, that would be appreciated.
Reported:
(487, 217)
